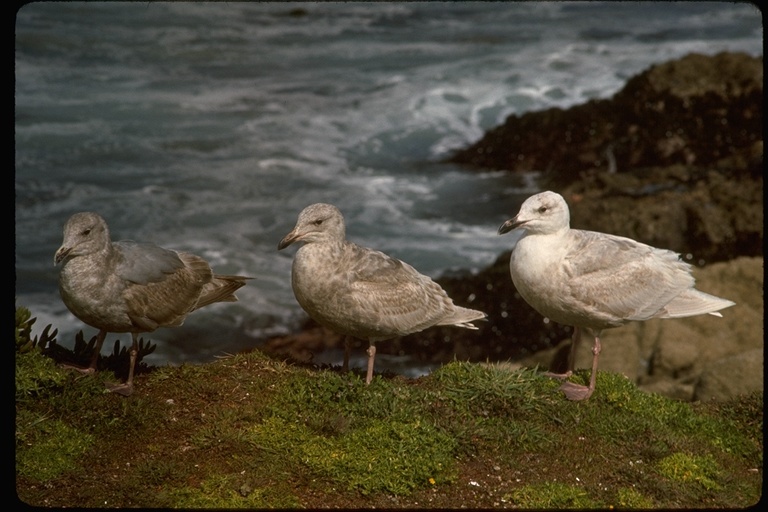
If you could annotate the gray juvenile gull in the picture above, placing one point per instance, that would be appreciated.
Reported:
(594, 280)
(132, 287)
(359, 292)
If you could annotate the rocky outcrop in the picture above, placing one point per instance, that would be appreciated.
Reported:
(698, 110)
(673, 160)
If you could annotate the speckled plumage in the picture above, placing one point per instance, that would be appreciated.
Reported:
(132, 287)
(361, 292)
(595, 280)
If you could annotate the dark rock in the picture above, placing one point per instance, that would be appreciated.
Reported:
(695, 110)
(705, 213)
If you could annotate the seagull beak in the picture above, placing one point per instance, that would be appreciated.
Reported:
(509, 225)
(61, 254)
(288, 240)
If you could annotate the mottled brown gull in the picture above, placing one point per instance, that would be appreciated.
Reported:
(132, 287)
(594, 280)
(360, 292)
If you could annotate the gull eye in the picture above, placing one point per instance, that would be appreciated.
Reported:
(318, 222)
(86, 232)
(542, 209)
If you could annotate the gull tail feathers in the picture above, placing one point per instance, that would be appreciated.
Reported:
(694, 302)
(221, 289)
(463, 317)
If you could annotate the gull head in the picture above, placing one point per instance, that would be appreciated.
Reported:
(319, 222)
(84, 233)
(546, 212)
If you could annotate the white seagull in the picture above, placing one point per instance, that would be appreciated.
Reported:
(594, 280)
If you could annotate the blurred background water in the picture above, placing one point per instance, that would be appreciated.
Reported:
(207, 127)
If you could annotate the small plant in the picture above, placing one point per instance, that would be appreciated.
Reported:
(35, 373)
(118, 360)
(629, 497)
(685, 468)
(24, 340)
(223, 492)
(551, 495)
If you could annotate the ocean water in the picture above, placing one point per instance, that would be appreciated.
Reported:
(207, 127)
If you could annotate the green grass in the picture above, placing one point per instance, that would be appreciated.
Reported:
(48, 447)
(552, 495)
(629, 497)
(252, 432)
(222, 491)
(365, 438)
(485, 405)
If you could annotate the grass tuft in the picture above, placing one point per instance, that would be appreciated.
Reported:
(552, 495)
(686, 468)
